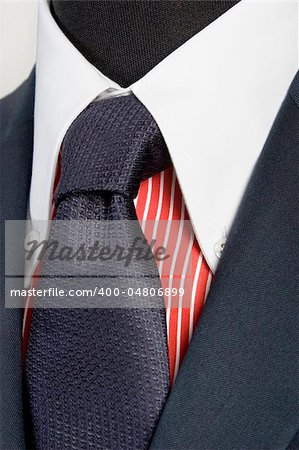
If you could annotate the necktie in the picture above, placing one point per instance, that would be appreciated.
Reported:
(98, 378)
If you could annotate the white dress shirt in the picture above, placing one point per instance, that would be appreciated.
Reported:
(214, 99)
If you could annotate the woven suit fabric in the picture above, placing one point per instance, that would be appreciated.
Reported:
(99, 377)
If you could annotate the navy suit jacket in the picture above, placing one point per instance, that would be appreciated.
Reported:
(238, 385)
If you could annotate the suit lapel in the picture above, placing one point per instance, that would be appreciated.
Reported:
(16, 158)
(236, 388)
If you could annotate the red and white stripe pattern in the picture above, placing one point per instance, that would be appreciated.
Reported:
(163, 216)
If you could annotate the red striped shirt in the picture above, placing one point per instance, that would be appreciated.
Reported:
(162, 213)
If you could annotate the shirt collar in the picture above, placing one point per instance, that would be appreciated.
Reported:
(214, 100)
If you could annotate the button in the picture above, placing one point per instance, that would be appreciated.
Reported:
(219, 247)
(33, 235)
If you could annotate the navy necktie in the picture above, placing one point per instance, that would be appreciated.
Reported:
(97, 378)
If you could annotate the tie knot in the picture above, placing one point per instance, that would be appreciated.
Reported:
(112, 146)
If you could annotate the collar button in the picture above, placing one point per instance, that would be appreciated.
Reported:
(219, 247)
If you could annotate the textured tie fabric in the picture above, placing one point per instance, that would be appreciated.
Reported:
(98, 378)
